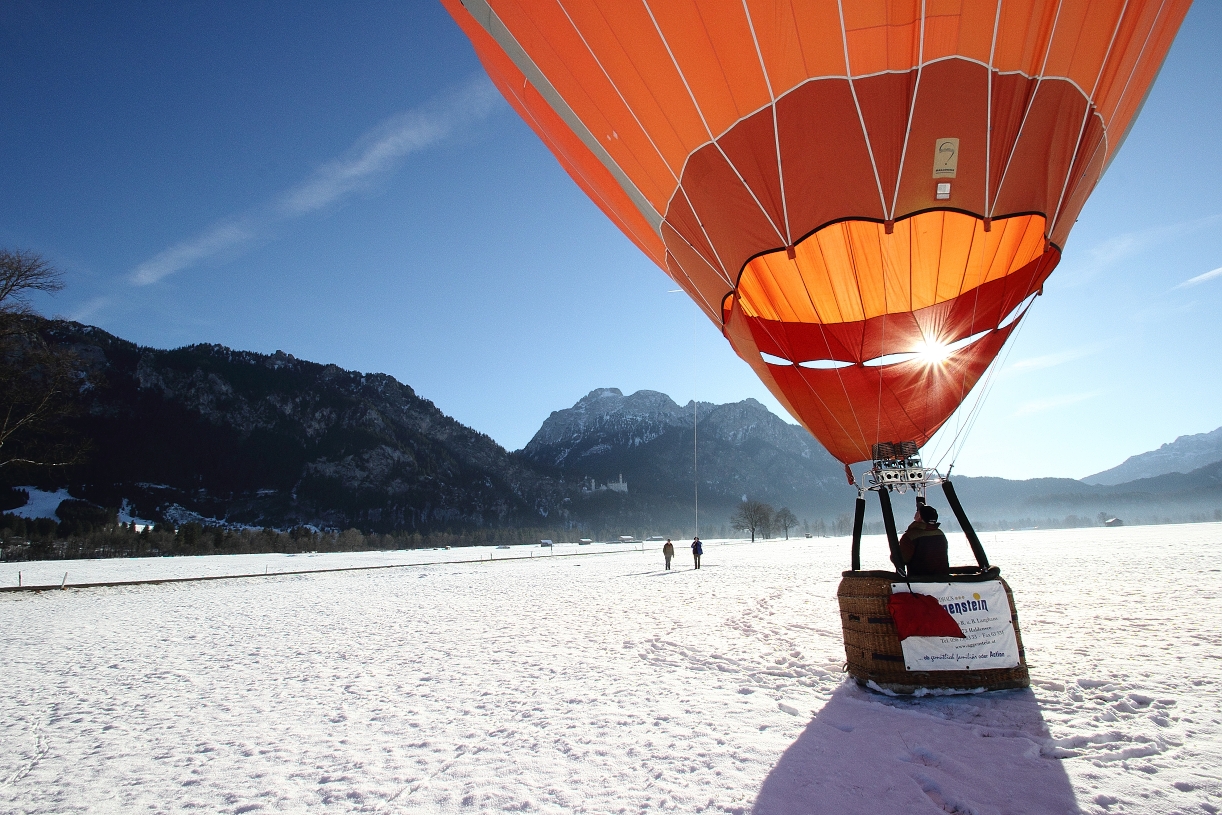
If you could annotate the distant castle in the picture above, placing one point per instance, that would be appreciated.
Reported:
(590, 486)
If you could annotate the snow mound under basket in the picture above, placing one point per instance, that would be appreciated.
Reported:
(989, 657)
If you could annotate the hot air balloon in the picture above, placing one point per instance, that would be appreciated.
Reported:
(864, 195)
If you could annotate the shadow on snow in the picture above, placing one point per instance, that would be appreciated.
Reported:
(868, 753)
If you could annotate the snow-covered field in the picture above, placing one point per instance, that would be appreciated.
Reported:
(605, 685)
(116, 570)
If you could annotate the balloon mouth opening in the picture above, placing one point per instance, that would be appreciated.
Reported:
(929, 352)
(914, 292)
(856, 269)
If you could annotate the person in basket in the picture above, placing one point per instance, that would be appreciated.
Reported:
(923, 545)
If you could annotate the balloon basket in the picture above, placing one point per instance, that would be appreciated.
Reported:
(875, 657)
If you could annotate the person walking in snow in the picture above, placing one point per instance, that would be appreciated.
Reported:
(668, 552)
(697, 550)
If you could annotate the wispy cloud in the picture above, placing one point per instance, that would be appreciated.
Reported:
(1052, 403)
(375, 155)
(216, 239)
(1052, 360)
(1102, 256)
(1199, 279)
(84, 313)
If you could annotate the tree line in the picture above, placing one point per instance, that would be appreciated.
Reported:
(81, 533)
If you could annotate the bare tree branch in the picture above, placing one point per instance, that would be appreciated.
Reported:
(36, 379)
(24, 272)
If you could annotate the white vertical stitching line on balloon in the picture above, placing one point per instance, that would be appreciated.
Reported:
(802, 377)
(705, 122)
(776, 133)
(615, 87)
(848, 399)
(1039, 80)
(594, 191)
(960, 57)
(1090, 103)
(725, 275)
(720, 264)
(988, 131)
(714, 313)
(1106, 129)
(492, 24)
(848, 69)
(861, 298)
(916, 89)
(878, 408)
(696, 251)
(1129, 81)
(763, 325)
(815, 393)
(975, 307)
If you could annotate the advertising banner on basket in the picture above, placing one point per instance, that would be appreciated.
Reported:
(982, 611)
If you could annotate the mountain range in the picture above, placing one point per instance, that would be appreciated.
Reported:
(273, 440)
(741, 450)
(1183, 455)
(270, 440)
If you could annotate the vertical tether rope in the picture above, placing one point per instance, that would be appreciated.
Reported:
(695, 409)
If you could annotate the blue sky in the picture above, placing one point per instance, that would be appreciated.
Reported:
(340, 182)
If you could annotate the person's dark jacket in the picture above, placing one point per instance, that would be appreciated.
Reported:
(923, 548)
(697, 548)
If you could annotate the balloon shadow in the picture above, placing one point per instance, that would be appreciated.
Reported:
(868, 753)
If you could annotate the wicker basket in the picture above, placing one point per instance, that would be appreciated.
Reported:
(873, 650)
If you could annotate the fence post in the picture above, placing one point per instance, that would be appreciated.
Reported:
(64, 584)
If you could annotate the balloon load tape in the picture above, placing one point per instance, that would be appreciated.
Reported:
(897, 467)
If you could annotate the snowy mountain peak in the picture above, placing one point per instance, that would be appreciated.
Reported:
(1183, 455)
(600, 393)
(646, 436)
(602, 419)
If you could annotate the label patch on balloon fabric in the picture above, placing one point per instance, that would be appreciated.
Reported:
(945, 158)
(982, 612)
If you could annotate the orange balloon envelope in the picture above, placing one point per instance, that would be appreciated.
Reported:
(863, 194)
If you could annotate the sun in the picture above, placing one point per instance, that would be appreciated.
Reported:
(933, 352)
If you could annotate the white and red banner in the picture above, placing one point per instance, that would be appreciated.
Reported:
(982, 612)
